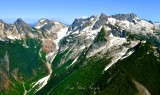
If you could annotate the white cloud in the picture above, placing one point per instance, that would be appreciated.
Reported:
(84, 17)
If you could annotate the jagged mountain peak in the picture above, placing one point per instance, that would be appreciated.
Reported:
(94, 22)
(81, 24)
(2, 22)
(41, 23)
(103, 15)
(22, 26)
(100, 39)
(19, 21)
(128, 17)
(4, 25)
(128, 14)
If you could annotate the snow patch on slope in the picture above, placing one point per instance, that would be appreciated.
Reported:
(25, 91)
(112, 41)
(60, 35)
(121, 54)
(40, 25)
(112, 21)
(75, 60)
(95, 51)
(11, 37)
(115, 41)
(127, 55)
(97, 18)
(50, 57)
(42, 82)
(116, 57)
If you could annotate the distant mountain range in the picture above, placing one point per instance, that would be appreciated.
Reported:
(157, 24)
(101, 55)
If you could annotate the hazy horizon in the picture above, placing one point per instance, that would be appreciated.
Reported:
(66, 11)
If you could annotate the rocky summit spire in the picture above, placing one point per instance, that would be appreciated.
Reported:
(19, 20)
(22, 26)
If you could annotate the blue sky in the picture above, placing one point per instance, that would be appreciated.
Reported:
(67, 10)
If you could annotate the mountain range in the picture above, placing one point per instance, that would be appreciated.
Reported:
(98, 55)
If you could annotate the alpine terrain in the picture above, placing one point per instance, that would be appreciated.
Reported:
(98, 55)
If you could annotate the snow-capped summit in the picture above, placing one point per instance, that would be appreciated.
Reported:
(41, 23)
(42, 19)
(50, 28)
(52, 32)
(83, 31)
(49, 25)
